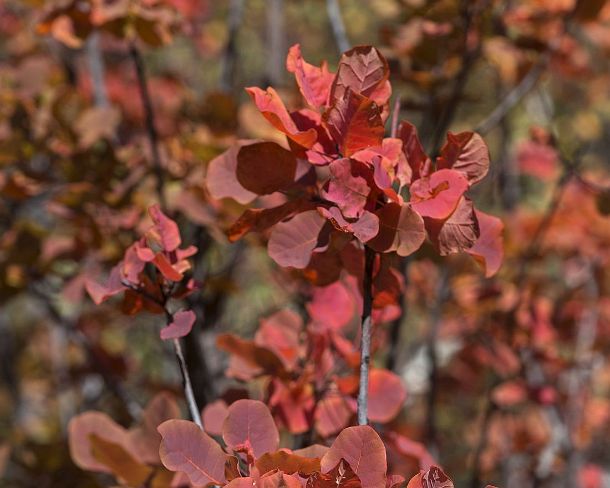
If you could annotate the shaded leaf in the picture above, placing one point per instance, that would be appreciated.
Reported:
(456, 234)
(354, 445)
(221, 178)
(265, 167)
(401, 230)
(467, 153)
(187, 449)
(119, 461)
(286, 462)
(488, 250)
(355, 123)
(249, 427)
(181, 325)
(291, 243)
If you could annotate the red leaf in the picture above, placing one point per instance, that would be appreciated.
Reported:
(386, 395)
(221, 179)
(332, 414)
(260, 219)
(114, 285)
(145, 438)
(313, 82)
(349, 192)
(412, 148)
(250, 427)
(80, 430)
(401, 229)
(388, 160)
(364, 228)
(289, 463)
(355, 123)
(167, 269)
(325, 149)
(165, 230)
(433, 478)
(280, 333)
(182, 323)
(456, 234)
(467, 153)
(362, 448)
(413, 449)
(332, 307)
(362, 70)
(291, 243)
(253, 355)
(213, 416)
(436, 196)
(265, 167)
(187, 449)
(488, 250)
(273, 109)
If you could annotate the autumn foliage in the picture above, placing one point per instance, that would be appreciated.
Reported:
(224, 265)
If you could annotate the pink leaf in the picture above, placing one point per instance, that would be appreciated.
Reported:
(436, 196)
(488, 250)
(113, 286)
(181, 325)
(165, 229)
(413, 151)
(386, 395)
(214, 415)
(364, 228)
(313, 82)
(362, 448)
(467, 153)
(456, 234)
(332, 307)
(221, 178)
(332, 414)
(291, 243)
(349, 192)
(187, 449)
(401, 229)
(363, 70)
(249, 426)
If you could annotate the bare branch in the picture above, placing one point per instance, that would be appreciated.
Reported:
(97, 69)
(187, 386)
(336, 22)
(229, 58)
(365, 340)
(513, 97)
(149, 118)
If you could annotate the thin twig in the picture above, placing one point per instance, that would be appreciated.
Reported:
(186, 384)
(275, 41)
(514, 96)
(365, 340)
(468, 59)
(395, 116)
(97, 70)
(229, 58)
(442, 292)
(336, 22)
(149, 119)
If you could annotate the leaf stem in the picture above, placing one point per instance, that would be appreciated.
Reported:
(149, 119)
(365, 341)
(187, 386)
